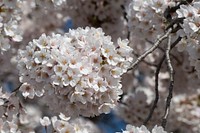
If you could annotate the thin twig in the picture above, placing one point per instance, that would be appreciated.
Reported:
(176, 42)
(146, 62)
(163, 50)
(156, 44)
(156, 82)
(126, 18)
(171, 72)
(15, 90)
(156, 90)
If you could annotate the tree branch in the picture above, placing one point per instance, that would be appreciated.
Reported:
(156, 44)
(156, 81)
(15, 90)
(163, 50)
(171, 86)
(126, 18)
(156, 90)
(146, 62)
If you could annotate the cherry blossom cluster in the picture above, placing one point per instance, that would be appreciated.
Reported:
(140, 14)
(9, 126)
(187, 109)
(65, 125)
(5, 104)
(80, 73)
(145, 17)
(146, 24)
(143, 129)
(191, 22)
(50, 20)
(10, 108)
(107, 14)
(10, 15)
(82, 68)
(3, 97)
(135, 107)
(18, 117)
(190, 32)
(49, 3)
(28, 120)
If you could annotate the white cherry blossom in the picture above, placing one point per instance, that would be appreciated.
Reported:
(74, 62)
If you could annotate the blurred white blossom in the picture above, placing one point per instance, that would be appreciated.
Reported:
(143, 129)
(10, 15)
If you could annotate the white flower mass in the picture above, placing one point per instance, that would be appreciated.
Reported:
(10, 15)
(143, 129)
(84, 64)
